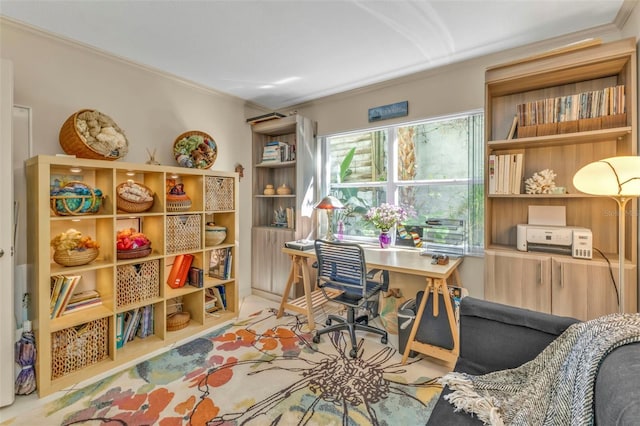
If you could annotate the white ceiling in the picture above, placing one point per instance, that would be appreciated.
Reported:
(280, 53)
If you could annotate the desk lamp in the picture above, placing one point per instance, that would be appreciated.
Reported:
(618, 178)
(329, 203)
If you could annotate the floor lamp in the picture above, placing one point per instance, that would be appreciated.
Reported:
(618, 178)
(329, 203)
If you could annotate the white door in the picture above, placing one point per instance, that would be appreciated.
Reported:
(7, 319)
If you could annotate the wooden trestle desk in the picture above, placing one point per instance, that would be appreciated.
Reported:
(394, 260)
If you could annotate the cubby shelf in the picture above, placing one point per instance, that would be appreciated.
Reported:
(102, 274)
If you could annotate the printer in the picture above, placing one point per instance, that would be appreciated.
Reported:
(569, 240)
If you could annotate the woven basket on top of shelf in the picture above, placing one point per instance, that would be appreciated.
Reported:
(136, 253)
(72, 142)
(200, 156)
(178, 320)
(130, 206)
(218, 193)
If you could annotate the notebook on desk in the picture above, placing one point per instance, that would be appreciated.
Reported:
(299, 244)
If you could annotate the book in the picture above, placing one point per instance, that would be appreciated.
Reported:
(78, 306)
(179, 270)
(196, 277)
(66, 290)
(218, 263)
(217, 290)
(492, 174)
(119, 329)
(514, 126)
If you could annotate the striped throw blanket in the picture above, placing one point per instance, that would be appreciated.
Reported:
(556, 387)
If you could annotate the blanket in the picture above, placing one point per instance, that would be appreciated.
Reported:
(556, 387)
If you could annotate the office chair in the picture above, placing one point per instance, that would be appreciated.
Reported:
(341, 266)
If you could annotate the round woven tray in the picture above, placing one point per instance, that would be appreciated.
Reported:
(75, 257)
(72, 143)
(134, 253)
(195, 159)
(87, 203)
(178, 320)
(131, 206)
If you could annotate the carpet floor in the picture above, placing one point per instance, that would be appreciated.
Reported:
(258, 370)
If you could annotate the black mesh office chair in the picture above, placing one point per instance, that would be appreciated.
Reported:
(342, 266)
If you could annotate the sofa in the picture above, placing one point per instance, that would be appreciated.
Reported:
(495, 337)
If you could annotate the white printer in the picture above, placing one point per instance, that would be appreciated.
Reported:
(569, 240)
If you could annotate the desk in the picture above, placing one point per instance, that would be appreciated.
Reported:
(391, 259)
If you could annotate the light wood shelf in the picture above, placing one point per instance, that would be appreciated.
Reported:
(102, 273)
(569, 72)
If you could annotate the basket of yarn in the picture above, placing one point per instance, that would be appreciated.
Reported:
(177, 199)
(195, 149)
(133, 197)
(75, 198)
(71, 248)
(91, 134)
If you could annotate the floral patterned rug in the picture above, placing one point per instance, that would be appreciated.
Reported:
(256, 371)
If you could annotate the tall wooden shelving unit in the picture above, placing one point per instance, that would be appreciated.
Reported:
(53, 373)
(550, 282)
(270, 268)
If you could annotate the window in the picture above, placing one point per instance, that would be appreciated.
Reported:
(435, 166)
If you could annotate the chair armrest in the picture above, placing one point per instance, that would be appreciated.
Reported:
(494, 336)
(617, 399)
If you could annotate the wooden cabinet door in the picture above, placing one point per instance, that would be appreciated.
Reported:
(516, 279)
(270, 268)
(584, 289)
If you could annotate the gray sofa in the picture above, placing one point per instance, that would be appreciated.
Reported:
(495, 337)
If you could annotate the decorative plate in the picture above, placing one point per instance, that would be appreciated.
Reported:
(195, 150)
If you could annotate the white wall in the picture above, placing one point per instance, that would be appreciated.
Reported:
(57, 78)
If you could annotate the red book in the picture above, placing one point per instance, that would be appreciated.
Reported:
(179, 270)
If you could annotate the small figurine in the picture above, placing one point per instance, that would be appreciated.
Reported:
(152, 157)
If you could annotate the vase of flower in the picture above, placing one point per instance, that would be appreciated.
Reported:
(384, 238)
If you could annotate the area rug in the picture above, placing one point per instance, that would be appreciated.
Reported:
(256, 371)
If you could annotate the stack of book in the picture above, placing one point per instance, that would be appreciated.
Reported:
(82, 300)
(276, 152)
(220, 263)
(215, 299)
(62, 287)
(136, 322)
(506, 173)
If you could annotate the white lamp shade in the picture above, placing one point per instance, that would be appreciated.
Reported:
(614, 176)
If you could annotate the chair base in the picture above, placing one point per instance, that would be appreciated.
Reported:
(351, 324)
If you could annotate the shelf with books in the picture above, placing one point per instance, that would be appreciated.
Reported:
(127, 284)
(563, 143)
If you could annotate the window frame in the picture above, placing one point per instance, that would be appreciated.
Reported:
(393, 183)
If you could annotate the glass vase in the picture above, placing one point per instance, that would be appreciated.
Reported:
(384, 238)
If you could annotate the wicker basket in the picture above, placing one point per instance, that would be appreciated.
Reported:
(134, 253)
(137, 282)
(132, 206)
(73, 144)
(75, 204)
(183, 233)
(219, 193)
(199, 157)
(75, 257)
(77, 347)
(178, 320)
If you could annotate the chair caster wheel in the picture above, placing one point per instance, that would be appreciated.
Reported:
(353, 353)
(316, 338)
(383, 340)
(328, 321)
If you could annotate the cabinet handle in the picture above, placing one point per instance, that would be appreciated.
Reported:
(562, 275)
(539, 274)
